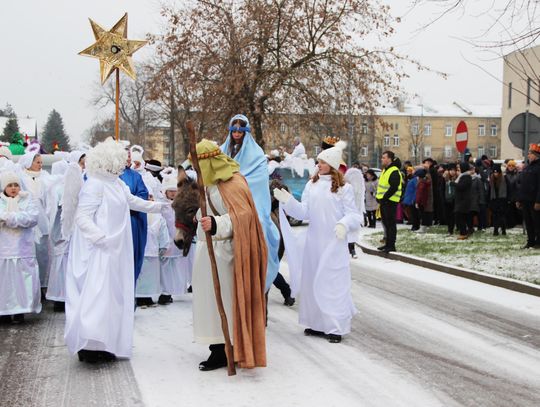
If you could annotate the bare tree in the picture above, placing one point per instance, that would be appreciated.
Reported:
(137, 111)
(272, 56)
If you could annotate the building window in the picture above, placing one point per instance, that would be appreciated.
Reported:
(447, 151)
(492, 151)
(396, 140)
(414, 129)
(510, 95)
(317, 151)
(448, 130)
(386, 141)
(364, 128)
(481, 151)
(283, 127)
(481, 129)
(396, 126)
(427, 129)
(364, 151)
(414, 151)
(493, 130)
(529, 86)
(427, 151)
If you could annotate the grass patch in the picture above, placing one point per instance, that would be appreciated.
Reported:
(498, 255)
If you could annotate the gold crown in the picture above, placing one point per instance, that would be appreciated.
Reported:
(331, 140)
(535, 148)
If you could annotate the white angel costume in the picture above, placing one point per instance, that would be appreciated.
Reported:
(36, 182)
(100, 286)
(56, 287)
(324, 284)
(157, 241)
(355, 177)
(19, 274)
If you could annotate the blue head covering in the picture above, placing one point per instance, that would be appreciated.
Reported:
(253, 166)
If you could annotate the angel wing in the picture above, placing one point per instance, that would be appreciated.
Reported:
(355, 177)
(73, 183)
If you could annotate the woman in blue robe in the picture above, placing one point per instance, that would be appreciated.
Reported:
(253, 165)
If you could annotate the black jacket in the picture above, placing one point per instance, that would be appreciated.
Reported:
(462, 197)
(529, 183)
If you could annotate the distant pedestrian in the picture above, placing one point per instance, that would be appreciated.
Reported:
(498, 201)
(424, 199)
(371, 201)
(462, 200)
(450, 176)
(388, 196)
(528, 196)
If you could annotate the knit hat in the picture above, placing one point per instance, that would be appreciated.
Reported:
(420, 173)
(333, 155)
(9, 177)
(6, 152)
(464, 167)
(215, 165)
(497, 168)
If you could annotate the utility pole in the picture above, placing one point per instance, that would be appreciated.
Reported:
(171, 136)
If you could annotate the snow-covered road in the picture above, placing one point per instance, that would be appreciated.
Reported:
(421, 338)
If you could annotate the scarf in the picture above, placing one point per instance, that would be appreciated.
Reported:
(250, 260)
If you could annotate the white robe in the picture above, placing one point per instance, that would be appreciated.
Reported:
(59, 246)
(19, 275)
(325, 281)
(157, 237)
(175, 270)
(206, 320)
(100, 287)
(37, 186)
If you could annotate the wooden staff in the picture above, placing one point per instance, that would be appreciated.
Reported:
(215, 277)
(117, 108)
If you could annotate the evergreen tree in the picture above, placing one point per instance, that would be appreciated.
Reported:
(12, 125)
(54, 136)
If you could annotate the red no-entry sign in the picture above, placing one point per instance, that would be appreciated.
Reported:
(462, 136)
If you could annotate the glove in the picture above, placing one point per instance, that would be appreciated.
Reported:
(341, 231)
(282, 195)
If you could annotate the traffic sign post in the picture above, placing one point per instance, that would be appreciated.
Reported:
(462, 136)
(523, 130)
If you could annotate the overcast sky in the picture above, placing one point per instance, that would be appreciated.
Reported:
(40, 69)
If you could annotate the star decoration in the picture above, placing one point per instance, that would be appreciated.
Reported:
(113, 49)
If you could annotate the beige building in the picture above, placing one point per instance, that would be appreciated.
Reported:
(520, 93)
(415, 132)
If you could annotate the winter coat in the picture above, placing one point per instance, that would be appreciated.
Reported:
(449, 191)
(371, 191)
(478, 193)
(499, 191)
(512, 185)
(424, 194)
(463, 190)
(529, 183)
(410, 192)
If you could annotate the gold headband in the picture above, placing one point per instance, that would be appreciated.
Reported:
(210, 154)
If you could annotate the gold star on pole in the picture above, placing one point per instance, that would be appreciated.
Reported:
(113, 49)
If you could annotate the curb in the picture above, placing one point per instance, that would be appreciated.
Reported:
(508, 283)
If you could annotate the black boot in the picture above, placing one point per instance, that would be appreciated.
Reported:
(217, 358)
(164, 299)
(18, 319)
(289, 301)
(333, 338)
(89, 356)
(312, 332)
(5, 319)
(496, 232)
(59, 306)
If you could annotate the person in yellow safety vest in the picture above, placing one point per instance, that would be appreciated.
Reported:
(388, 196)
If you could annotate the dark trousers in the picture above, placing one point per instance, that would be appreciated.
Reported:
(372, 219)
(470, 221)
(462, 220)
(449, 214)
(532, 223)
(499, 208)
(282, 286)
(388, 217)
(513, 216)
(482, 217)
(415, 217)
(427, 218)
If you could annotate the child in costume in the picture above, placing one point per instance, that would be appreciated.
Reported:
(326, 305)
(19, 273)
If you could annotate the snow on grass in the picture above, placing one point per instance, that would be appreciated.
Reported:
(497, 255)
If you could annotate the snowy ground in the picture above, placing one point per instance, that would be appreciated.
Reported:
(421, 338)
(497, 255)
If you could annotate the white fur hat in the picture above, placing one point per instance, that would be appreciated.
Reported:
(333, 155)
(9, 177)
(169, 184)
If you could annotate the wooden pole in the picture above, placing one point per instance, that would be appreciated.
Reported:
(215, 277)
(117, 109)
